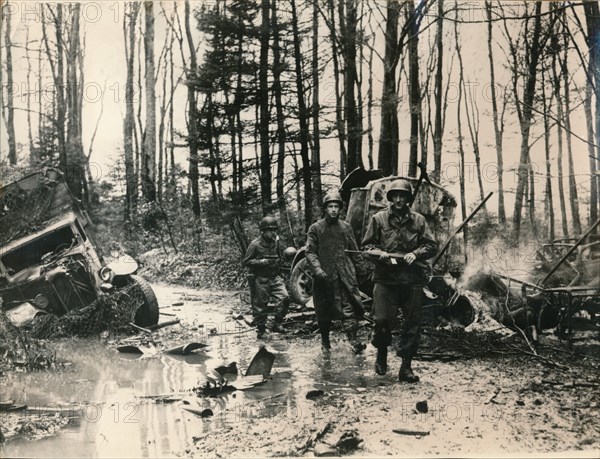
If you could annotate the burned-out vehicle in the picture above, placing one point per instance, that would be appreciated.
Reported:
(50, 261)
(568, 271)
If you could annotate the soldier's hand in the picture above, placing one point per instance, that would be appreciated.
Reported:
(385, 258)
(321, 275)
(409, 258)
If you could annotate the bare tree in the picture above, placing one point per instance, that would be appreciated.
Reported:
(498, 119)
(9, 110)
(129, 24)
(148, 167)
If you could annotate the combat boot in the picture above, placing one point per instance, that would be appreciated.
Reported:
(381, 361)
(406, 373)
(325, 343)
(357, 346)
(278, 328)
(261, 332)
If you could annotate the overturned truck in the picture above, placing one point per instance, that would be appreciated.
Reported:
(51, 263)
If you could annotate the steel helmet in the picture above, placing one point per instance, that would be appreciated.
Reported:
(399, 185)
(333, 196)
(268, 223)
(290, 252)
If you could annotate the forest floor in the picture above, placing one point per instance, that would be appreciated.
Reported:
(490, 402)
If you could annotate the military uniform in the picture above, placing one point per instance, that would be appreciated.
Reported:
(263, 258)
(336, 294)
(401, 284)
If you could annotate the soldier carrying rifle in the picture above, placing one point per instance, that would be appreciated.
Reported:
(405, 243)
(263, 258)
(335, 284)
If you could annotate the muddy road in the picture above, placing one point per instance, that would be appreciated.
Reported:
(491, 406)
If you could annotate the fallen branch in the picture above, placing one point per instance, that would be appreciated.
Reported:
(403, 431)
(137, 327)
(542, 358)
(164, 324)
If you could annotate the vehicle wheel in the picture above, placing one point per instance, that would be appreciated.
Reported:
(147, 313)
(301, 282)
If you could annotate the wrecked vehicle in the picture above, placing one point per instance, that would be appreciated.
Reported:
(50, 262)
(570, 268)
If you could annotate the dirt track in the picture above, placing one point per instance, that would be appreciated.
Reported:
(491, 406)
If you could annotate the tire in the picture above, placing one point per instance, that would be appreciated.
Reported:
(147, 314)
(301, 285)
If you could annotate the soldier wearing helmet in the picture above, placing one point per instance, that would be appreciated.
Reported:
(263, 258)
(399, 230)
(335, 285)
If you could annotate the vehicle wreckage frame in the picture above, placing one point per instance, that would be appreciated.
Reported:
(50, 262)
(527, 306)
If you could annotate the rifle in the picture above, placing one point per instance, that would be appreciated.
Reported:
(393, 256)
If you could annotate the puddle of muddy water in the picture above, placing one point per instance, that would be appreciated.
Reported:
(118, 422)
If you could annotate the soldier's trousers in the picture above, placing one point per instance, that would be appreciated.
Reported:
(386, 301)
(264, 288)
(341, 297)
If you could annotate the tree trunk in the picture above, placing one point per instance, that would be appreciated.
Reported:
(149, 151)
(438, 135)
(75, 155)
(548, 201)
(316, 112)
(129, 22)
(348, 20)
(387, 159)
(10, 107)
(414, 92)
(497, 121)
(281, 137)
(32, 158)
(589, 122)
(559, 158)
(339, 109)
(192, 115)
(461, 150)
(592, 16)
(263, 101)
(528, 101)
(303, 115)
(573, 195)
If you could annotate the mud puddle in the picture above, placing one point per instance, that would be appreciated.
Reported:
(108, 390)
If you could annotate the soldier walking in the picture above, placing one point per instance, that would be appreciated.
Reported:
(335, 286)
(399, 283)
(263, 258)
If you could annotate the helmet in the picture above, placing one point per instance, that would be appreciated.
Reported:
(333, 196)
(268, 223)
(399, 185)
(290, 252)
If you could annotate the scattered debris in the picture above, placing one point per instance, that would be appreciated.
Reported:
(348, 442)
(325, 450)
(422, 407)
(404, 431)
(164, 324)
(129, 349)
(185, 349)
(493, 396)
(313, 394)
(205, 413)
(261, 363)
(230, 369)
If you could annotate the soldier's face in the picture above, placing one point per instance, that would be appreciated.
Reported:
(332, 209)
(269, 234)
(400, 200)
